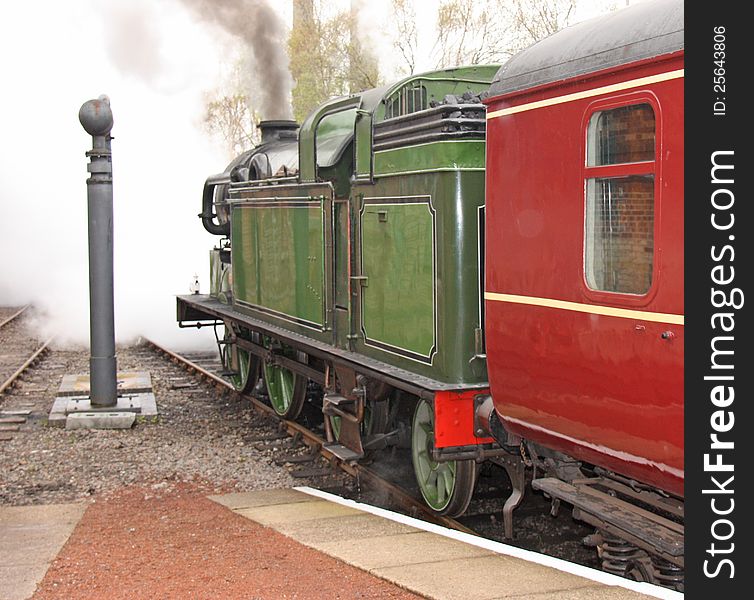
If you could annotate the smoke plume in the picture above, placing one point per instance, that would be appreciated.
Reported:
(262, 31)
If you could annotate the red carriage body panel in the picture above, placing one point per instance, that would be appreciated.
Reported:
(594, 373)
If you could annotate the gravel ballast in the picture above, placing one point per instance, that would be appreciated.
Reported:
(202, 433)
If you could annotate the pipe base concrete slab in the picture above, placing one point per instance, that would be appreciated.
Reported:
(141, 407)
(100, 420)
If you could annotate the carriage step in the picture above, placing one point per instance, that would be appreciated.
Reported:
(604, 511)
(343, 453)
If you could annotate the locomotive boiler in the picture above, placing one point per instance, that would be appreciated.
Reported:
(486, 261)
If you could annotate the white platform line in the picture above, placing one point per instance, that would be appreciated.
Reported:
(500, 548)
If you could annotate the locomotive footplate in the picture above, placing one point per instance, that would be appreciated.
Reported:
(638, 526)
(202, 309)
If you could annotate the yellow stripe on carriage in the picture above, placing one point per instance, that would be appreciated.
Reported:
(607, 89)
(608, 311)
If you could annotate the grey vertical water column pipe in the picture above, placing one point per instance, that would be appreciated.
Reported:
(97, 119)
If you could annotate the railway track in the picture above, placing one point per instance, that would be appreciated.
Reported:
(386, 481)
(207, 368)
(389, 480)
(18, 350)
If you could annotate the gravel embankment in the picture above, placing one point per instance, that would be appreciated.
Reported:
(201, 434)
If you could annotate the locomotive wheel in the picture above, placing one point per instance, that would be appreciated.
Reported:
(285, 389)
(447, 487)
(241, 365)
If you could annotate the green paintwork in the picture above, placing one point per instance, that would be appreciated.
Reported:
(456, 197)
(282, 256)
(307, 135)
(370, 108)
(432, 156)
(363, 144)
(397, 256)
(333, 132)
(403, 287)
(278, 259)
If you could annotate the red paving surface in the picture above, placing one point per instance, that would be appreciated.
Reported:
(175, 543)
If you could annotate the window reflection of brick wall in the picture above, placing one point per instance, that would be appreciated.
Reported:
(626, 135)
(624, 234)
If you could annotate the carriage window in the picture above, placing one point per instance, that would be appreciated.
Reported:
(620, 203)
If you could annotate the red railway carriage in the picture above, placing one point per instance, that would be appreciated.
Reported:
(584, 245)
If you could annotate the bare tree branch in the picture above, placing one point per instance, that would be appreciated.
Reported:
(327, 59)
(406, 36)
(229, 113)
(494, 30)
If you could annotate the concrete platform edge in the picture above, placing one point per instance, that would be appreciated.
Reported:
(30, 539)
(504, 549)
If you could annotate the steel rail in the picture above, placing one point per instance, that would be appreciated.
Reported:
(311, 439)
(18, 313)
(29, 361)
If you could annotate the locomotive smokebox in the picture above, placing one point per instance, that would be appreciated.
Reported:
(280, 129)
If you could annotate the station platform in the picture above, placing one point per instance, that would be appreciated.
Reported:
(259, 544)
(30, 539)
(429, 560)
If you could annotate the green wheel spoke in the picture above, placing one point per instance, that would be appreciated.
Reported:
(238, 363)
(446, 486)
(431, 480)
(442, 487)
(286, 390)
(448, 481)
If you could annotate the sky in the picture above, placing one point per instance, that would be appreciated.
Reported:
(155, 60)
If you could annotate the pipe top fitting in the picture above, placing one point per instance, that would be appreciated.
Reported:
(96, 117)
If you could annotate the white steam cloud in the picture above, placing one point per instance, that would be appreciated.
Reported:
(155, 62)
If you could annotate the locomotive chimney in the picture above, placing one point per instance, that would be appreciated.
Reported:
(273, 130)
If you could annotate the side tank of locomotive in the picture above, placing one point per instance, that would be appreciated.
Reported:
(363, 232)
